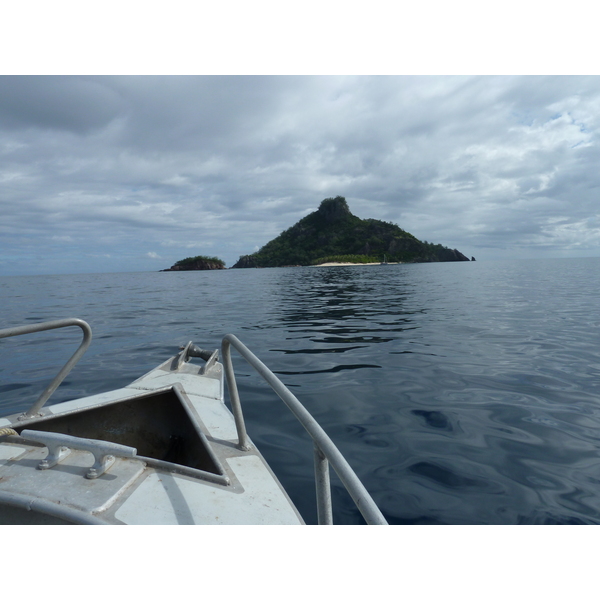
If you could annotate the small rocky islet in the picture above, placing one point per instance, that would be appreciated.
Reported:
(197, 263)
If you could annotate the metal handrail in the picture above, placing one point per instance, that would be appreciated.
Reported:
(325, 450)
(36, 327)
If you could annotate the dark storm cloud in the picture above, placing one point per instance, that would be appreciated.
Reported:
(74, 104)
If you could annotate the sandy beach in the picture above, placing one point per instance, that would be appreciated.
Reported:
(349, 264)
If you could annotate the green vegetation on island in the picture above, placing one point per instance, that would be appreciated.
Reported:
(198, 263)
(333, 234)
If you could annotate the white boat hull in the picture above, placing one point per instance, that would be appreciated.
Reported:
(237, 486)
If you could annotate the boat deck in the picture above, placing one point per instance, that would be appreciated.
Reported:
(163, 450)
(188, 468)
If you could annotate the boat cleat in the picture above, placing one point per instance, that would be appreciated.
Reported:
(59, 447)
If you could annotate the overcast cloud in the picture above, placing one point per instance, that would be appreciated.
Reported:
(119, 173)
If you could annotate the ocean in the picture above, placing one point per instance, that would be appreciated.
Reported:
(461, 393)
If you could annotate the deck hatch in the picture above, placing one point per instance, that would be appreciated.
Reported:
(157, 424)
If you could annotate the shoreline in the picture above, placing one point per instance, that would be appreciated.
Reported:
(350, 264)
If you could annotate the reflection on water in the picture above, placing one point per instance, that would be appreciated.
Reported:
(459, 392)
(342, 304)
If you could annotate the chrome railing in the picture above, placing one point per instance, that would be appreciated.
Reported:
(325, 451)
(34, 328)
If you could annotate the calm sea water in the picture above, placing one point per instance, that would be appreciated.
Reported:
(461, 393)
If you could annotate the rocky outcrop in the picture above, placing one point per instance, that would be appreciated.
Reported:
(248, 261)
(447, 255)
(332, 210)
(398, 245)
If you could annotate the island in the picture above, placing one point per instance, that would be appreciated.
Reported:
(197, 263)
(332, 234)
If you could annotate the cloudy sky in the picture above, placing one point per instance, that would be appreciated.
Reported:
(132, 173)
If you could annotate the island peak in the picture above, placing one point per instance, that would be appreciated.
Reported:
(335, 209)
(332, 231)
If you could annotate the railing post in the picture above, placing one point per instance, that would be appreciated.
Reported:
(324, 508)
(327, 448)
(234, 397)
(37, 327)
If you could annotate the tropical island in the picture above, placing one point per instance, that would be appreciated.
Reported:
(197, 263)
(332, 234)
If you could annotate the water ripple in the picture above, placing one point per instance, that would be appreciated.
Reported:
(459, 392)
